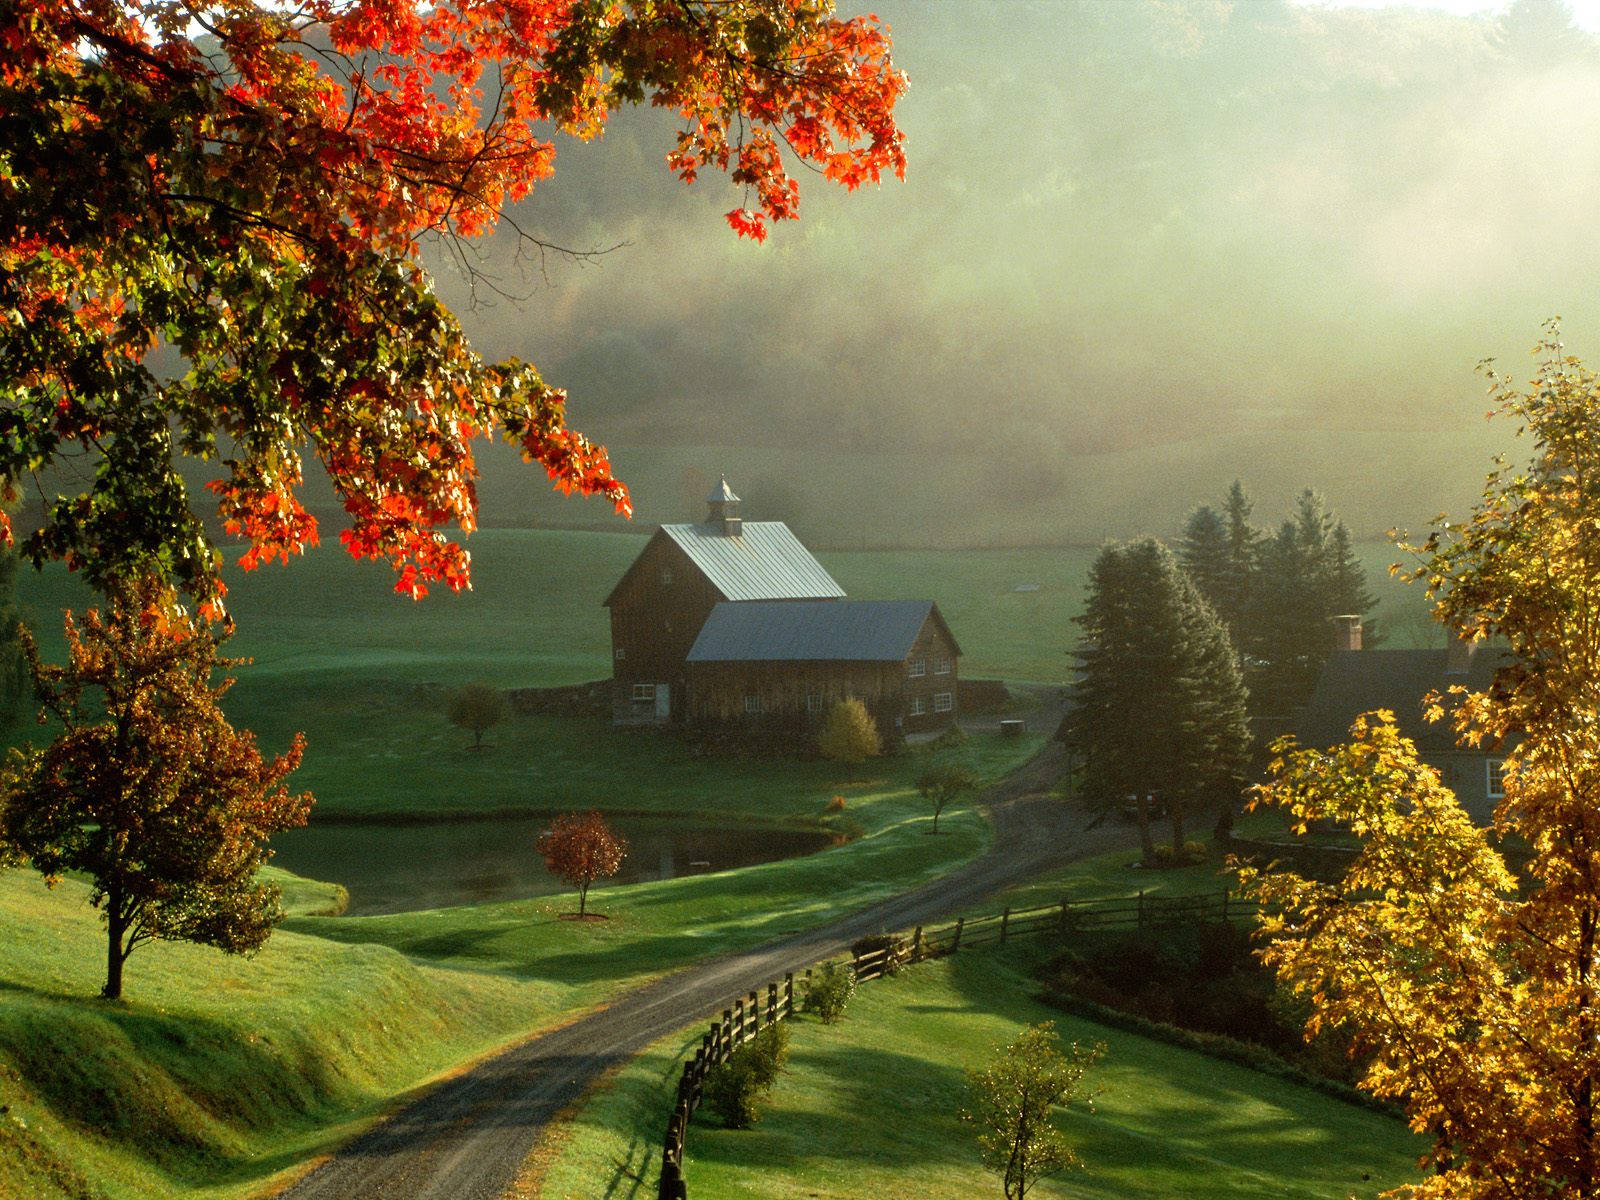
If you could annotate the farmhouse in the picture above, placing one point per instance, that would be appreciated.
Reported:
(735, 621)
(1356, 680)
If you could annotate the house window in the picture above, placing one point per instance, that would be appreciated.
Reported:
(752, 705)
(813, 702)
(666, 574)
(1495, 767)
(644, 693)
(942, 666)
(919, 706)
(621, 654)
(944, 701)
(919, 667)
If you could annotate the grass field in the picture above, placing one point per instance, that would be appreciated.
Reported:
(867, 1111)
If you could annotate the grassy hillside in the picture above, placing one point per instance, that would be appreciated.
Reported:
(216, 1072)
(867, 1110)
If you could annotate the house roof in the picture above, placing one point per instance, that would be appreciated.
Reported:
(787, 631)
(764, 561)
(1358, 681)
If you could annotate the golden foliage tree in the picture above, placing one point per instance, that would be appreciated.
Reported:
(1477, 993)
(849, 734)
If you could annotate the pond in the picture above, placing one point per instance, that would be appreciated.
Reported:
(402, 868)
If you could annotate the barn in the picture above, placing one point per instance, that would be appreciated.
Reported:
(734, 621)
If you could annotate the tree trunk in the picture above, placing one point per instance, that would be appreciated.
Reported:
(1141, 810)
(583, 898)
(477, 739)
(936, 809)
(116, 926)
(1177, 832)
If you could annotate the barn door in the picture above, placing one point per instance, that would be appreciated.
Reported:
(663, 701)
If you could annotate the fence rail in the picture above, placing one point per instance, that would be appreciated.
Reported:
(872, 958)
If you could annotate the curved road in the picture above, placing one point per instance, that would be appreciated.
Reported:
(468, 1138)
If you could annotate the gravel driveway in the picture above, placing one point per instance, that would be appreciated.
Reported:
(467, 1138)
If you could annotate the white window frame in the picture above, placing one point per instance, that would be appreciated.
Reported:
(944, 702)
(942, 666)
(813, 702)
(1493, 781)
(918, 668)
(919, 706)
(666, 574)
(752, 705)
(644, 693)
(621, 654)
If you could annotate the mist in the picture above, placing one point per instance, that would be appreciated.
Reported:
(1142, 249)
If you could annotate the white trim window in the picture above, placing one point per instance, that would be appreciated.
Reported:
(918, 668)
(644, 693)
(1494, 778)
(943, 701)
(941, 666)
(813, 702)
(752, 705)
(919, 706)
(621, 654)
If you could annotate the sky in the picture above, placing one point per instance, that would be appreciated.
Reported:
(1585, 13)
(1142, 249)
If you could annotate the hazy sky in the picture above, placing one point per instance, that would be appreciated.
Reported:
(1585, 13)
(1141, 246)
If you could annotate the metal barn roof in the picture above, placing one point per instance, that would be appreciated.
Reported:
(765, 561)
(790, 631)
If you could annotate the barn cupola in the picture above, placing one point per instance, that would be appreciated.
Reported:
(724, 515)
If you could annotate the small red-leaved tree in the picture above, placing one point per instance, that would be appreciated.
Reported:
(580, 848)
(148, 790)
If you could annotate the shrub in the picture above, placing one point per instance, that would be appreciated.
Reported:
(849, 734)
(1166, 858)
(899, 952)
(828, 992)
(735, 1090)
(836, 805)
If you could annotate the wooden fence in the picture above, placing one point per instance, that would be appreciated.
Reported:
(872, 958)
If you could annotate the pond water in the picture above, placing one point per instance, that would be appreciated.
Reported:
(402, 868)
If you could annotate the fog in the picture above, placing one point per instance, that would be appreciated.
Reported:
(1142, 248)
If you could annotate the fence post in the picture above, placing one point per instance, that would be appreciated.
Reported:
(788, 993)
(772, 1004)
(1141, 910)
(727, 1036)
(956, 944)
(755, 1013)
(1005, 920)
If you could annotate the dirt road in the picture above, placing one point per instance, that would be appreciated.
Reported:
(466, 1139)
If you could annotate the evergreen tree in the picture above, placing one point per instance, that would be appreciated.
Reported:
(1347, 582)
(1204, 554)
(1161, 701)
(1244, 551)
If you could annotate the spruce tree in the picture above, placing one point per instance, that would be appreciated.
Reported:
(1161, 704)
(1204, 553)
(1232, 601)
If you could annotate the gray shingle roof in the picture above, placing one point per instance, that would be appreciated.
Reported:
(765, 561)
(796, 631)
(1354, 682)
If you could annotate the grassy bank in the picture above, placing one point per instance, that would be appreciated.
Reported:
(867, 1110)
(216, 1073)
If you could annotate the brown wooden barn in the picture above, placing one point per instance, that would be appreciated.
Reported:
(770, 634)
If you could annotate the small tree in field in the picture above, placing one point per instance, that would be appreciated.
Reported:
(940, 785)
(580, 848)
(148, 790)
(1010, 1103)
(477, 707)
(849, 734)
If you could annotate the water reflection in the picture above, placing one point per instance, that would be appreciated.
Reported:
(401, 868)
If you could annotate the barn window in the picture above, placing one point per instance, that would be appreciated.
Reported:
(919, 706)
(813, 702)
(644, 692)
(942, 666)
(752, 705)
(666, 574)
(919, 668)
(943, 701)
(621, 653)
(1496, 776)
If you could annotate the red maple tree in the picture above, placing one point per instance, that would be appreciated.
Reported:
(248, 186)
(581, 848)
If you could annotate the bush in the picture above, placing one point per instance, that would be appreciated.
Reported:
(1166, 859)
(828, 992)
(836, 805)
(899, 952)
(735, 1090)
(849, 734)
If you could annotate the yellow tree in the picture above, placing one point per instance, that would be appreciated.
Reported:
(1475, 991)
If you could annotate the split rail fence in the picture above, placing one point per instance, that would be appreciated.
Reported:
(872, 958)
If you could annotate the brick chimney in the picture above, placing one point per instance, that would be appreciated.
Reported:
(1347, 631)
(1458, 655)
(725, 510)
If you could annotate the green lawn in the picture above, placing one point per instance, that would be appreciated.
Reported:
(215, 1073)
(867, 1112)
